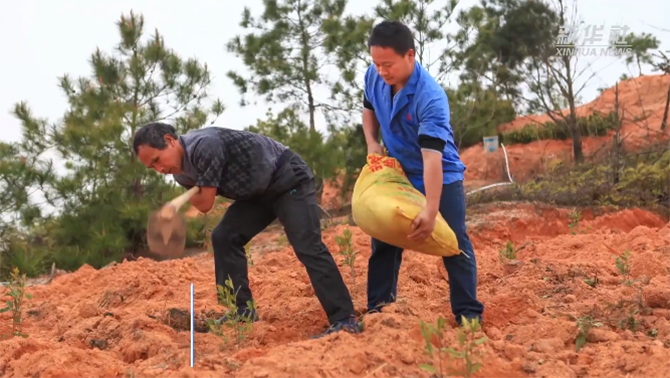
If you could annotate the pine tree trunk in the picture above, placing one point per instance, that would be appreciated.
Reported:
(577, 143)
(575, 132)
(664, 123)
(319, 189)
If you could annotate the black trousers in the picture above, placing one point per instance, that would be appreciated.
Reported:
(291, 197)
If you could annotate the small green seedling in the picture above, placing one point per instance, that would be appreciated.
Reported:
(242, 325)
(623, 266)
(346, 246)
(428, 331)
(467, 343)
(584, 325)
(508, 253)
(247, 252)
(17, 292)
(630, 322)
(574, 216)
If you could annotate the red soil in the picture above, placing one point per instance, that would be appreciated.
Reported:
(121, 321)
(641, 103)
(641, 100)
(113, 322)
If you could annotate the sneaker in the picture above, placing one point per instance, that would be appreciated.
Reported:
(244, 312)
(350, 325)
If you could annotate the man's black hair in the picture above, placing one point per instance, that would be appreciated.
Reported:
(153, 135)
(392, 34)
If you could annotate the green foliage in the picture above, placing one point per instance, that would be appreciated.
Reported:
(293, 50)
(283, 49)
(241, 324)
(249, 256)
(574, 217)
(467, 344)
(19, 250)
(593, 282)
(640, 46)
(201, 227)
(288, 49)
(17, 293)
(477, 112)
(354, 151)
(345, 44)
(428, 332)
(105, 195)
(623, 266)
(593, 125)
(506, 34)
(518, 30)
(21, 175)
(197, 231)
(584, 325)
(508, 253)
(428, 20)
(346, 247)
(631, 180)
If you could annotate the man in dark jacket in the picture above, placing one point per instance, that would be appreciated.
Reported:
(267, 181)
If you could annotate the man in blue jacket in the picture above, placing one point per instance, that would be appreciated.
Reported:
(412, 111)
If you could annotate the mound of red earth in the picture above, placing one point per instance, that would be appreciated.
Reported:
(641, 103)
(131, 319)
(641, 106)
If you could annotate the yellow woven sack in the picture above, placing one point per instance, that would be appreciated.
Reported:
(384, 205)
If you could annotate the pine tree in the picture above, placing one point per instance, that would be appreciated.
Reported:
(428, 21)
(640, 46)
(553, 77)
(103, 198)
(284, 48)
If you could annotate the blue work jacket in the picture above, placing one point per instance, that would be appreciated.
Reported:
(420, 108)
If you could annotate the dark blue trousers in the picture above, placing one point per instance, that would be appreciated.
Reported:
(384, 264)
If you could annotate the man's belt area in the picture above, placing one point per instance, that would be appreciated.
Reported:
(283, 158)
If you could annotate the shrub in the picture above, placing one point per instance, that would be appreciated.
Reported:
(593, 125)
(636, 180)
(17, 292)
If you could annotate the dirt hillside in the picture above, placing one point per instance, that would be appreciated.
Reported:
(130, 320)
(642, 102)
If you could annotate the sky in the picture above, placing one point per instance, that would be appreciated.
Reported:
(43, 39)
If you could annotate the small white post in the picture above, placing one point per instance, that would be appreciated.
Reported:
(192, 323)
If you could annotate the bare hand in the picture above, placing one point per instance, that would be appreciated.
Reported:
(168, 211)
(423, 226)
(375, 148)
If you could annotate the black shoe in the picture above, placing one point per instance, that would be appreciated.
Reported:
(350, 325)
(244, 314)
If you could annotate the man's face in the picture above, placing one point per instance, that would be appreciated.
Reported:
(393, 68)
(165, 161)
